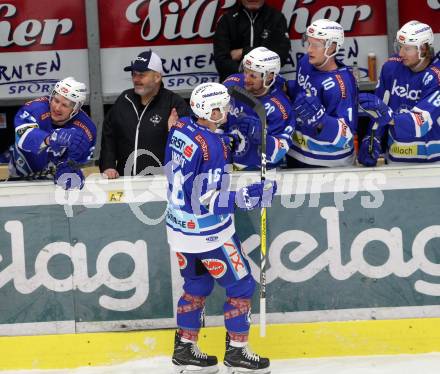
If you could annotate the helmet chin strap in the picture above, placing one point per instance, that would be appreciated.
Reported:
(266, 86)
(327, 57)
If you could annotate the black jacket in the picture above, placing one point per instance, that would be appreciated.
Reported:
(122, 122)
(234, 30)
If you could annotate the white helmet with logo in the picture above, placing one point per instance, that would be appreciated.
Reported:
(264, 61)
(209, 96)
(330, 31)
(72, 90)
(415, 33)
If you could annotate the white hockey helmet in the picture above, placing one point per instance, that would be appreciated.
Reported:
(415, 33)
(72, 90)
(330, 31)
(209, 96)
(264, 61)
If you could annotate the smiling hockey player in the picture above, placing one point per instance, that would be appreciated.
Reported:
(406, 104)
(260, 69)
(200, 229)
(53, 135)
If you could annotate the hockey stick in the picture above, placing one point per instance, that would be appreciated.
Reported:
(372, 113)
(242, 95)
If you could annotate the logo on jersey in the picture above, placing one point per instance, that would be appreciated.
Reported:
(188, 151)
(404, 91)
(419, 118)
(174, 221)
(155, 119)
(232, 79)
(341, 85)
(45, 116)
(213, 238)
(204, 145)
(85, 128)
(179, 124)
(191, 225)
(183, 144)
(280, 107)
(236, 259)
(303, 81)
(217, 268)
(181, 259)
(20, 131)
(436, 71)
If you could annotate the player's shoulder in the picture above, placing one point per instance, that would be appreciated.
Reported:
(36, 110)
(432, 78)
(85, 123)
(280, 101)
(186, 128)
(234, 80)
(181, 125)
(392, 64)
(338, 84)
(40, 104)
(189, 139)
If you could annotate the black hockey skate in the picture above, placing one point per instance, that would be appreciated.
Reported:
(242, 360)
(187, 358)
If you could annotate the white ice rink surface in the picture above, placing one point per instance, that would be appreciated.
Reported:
(398, 364)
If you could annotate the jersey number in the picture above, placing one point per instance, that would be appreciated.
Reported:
(435, 99)
(177, 197)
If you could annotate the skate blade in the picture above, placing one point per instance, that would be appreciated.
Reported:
(231, 370)
(191, 369)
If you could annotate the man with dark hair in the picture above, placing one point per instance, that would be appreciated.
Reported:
(250, 24)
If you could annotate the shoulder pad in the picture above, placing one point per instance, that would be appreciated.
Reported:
(233, 80)
(280, 106)
(43, 99)
(435, 70)
(83, 127)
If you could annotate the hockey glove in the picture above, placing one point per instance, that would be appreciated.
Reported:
(369, 151)
(67, 177)
(59, 140)
(250, 127)
(249, 197)
(256, 195)
(233, 140)
(375, 108)
(79, 147)
(309, 110)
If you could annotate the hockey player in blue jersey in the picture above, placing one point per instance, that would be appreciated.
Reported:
(54, 136)
(200, 229)
(324, 97)
(260, 69)
(406, 104)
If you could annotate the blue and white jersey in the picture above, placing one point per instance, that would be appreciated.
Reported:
(196, 161)
(33, 124)
(280, 126)
(332, 144)
(415, 100)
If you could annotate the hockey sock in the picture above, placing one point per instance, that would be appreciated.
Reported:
(189, 315)
(237, 318)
